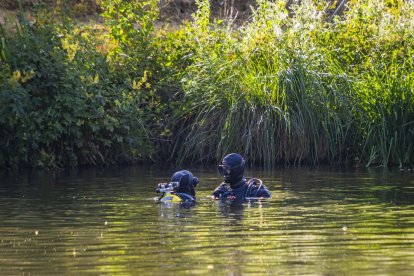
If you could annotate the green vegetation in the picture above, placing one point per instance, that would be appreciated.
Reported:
(290, 86)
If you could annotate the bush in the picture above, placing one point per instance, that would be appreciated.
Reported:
(59, 103)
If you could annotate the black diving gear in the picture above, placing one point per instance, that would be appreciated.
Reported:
(187, 182)
(232, 168)
(182, 185)
(235, 189)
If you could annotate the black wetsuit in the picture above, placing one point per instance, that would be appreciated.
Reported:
(187, 183)
(237, 194)
(235, 189)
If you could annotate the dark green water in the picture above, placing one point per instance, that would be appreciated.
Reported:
(319, 222)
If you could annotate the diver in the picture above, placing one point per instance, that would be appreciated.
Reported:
(236, 189)
(180, 189)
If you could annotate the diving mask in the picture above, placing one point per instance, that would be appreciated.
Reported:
(226, 169)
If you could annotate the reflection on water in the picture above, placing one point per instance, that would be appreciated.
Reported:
(318, 222)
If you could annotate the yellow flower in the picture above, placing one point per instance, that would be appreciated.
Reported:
(16, 76)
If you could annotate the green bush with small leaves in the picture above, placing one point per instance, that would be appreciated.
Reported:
(61, 104)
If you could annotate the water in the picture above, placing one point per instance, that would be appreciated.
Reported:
(318, 222)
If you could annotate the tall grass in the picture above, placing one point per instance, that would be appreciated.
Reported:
(258, 95)
(293, 87)
(384, 80)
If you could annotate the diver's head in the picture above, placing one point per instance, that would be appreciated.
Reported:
(232, 168)
(187, 182)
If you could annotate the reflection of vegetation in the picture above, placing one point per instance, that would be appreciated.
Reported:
(290, 86)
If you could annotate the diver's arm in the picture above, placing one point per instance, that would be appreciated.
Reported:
(219, 191)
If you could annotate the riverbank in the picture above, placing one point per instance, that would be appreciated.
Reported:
(287, 87)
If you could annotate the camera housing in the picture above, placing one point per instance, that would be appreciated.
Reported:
(167, 187)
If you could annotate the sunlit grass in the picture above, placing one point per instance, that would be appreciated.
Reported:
(301, 89)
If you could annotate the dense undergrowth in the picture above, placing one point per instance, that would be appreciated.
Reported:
(290, 86)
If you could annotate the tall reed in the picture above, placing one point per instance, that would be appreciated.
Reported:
(293, 87)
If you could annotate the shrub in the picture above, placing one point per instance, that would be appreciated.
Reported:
(59, 103)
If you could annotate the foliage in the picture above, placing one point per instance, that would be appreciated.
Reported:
(374, 43)
(151, 62)
(294, 85)
(58, 103)
(254, 92)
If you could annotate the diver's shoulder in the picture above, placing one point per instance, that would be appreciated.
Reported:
(256, 188)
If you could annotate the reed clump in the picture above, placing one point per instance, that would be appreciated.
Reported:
(299, 87)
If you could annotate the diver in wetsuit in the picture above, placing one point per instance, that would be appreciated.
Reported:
(187, 183)
(182, 186)
(235, 189)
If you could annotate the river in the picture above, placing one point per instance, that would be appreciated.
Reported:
(108, 221)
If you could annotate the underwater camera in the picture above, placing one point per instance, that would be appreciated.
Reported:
(167, 187)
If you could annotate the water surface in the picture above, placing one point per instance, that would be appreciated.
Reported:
(107, 221)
